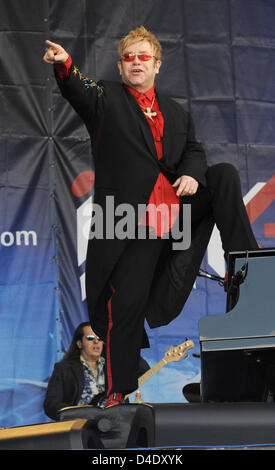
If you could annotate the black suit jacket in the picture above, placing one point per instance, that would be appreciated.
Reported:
(126, 167)
(65, 387)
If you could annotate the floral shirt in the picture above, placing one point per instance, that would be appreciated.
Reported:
(94, 383)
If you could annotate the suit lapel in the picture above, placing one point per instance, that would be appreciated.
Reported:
(79, 374)
(167, 131)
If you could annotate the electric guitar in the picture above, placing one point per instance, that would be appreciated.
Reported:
(174, 354)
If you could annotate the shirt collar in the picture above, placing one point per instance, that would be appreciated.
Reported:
(100, 361)
(149, 94)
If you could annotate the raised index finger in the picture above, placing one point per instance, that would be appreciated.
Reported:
(52, 44)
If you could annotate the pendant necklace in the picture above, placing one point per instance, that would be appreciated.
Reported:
(148, 111)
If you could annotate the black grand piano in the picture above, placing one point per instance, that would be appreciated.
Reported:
(238, 347)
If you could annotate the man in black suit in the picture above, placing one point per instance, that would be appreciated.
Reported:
(145, 154)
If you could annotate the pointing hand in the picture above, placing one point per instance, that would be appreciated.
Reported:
(55, 54)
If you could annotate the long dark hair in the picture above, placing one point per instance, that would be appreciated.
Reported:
(74, 352)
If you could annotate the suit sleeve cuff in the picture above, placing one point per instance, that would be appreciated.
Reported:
(63, 70)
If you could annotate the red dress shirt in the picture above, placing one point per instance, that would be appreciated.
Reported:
(160, 222)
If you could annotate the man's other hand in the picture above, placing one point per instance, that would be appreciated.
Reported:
(186, 186)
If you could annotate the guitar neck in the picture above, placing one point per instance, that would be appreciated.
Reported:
(173, 354)
(149, 373)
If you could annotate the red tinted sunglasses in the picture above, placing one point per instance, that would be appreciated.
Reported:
(130, 57)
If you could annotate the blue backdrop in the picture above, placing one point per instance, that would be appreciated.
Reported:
(218, 63)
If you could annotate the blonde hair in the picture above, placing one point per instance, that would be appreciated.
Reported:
(140, 34)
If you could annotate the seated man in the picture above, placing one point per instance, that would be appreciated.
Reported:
(78, 379)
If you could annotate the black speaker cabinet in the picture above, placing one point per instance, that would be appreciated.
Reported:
(117, 427)
(215, 424)
(74, 434)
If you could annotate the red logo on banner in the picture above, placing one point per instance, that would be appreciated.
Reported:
(260, 202)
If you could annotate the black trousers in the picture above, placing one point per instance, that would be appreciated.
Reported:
(123, 304)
